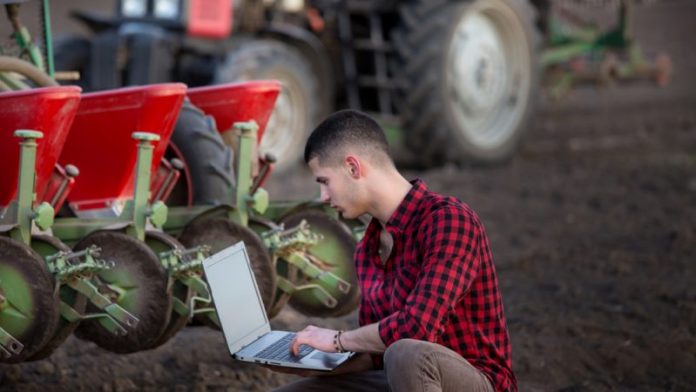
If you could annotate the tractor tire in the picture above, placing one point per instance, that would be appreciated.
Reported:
(207, 158)
(298, 108)
(468, 78)
(72, 53)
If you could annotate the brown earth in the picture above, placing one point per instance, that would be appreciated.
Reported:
(593, 228)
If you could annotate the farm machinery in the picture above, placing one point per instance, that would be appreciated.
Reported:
(109, 206)
(451, 80)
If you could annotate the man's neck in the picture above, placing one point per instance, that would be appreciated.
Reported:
(387, 194)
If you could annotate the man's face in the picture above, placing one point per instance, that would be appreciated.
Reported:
(338, 188)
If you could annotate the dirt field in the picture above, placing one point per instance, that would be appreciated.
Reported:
(593, 229)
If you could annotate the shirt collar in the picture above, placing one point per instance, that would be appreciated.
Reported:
(405, 211)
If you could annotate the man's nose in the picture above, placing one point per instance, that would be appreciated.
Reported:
(324, 195)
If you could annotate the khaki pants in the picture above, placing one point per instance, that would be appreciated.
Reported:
(409, 365)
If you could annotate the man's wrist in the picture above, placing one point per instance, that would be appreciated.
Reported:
(340, 343)
(338, 346)
(365, 339)
(347, 341)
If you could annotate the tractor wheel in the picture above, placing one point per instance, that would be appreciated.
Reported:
(282, 269)
(207, 159)
(138, 283)
(72, 53)
(220, 233)
(298, 107)
(30, 71)
(161, 242)
(45, 246)
(468, 78)
(335, 252)
(29, 305)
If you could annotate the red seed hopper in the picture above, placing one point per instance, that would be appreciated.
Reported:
(50, 110)
(100, 143)
(233, 102)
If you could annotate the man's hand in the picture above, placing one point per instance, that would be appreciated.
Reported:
(315, 337)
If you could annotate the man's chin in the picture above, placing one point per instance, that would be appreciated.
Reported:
(346, 215)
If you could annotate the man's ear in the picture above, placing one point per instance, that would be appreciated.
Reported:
(353, 166)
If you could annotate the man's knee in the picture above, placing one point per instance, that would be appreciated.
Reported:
(404, 354)
(409, 362)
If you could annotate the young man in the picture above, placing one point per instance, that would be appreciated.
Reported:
(431, 314)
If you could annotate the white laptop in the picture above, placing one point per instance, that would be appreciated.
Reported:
(244, 321)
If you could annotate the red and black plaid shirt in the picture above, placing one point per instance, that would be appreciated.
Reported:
(438, 285)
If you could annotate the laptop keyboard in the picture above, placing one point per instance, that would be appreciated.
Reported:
(280, 350)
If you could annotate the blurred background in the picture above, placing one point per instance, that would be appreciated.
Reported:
(576, 147)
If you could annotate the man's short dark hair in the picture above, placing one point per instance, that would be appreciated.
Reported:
(347, 129)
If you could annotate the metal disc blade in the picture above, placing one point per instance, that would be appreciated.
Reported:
(336, 253)
(220, 233)
(142, 281)
(282, 269)
(46, 245)
(29, 304)
(162, 242)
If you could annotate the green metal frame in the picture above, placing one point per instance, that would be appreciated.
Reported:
(186, 265)
(292, 245)
(28, 48)
(8, 344)
(75, 270)
(136, 217)
(134, 220)
(43, 61)
(245, 200)
(78, 272)
(25, 213)
(589, 43)
(138, 210)
(48, 37)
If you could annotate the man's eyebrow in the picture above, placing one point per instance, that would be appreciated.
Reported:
(320, 179)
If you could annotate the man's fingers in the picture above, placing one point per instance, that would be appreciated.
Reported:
(307, 336)
(295, 346)
(292, 345)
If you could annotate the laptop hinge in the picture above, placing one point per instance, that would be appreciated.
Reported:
(250, 343)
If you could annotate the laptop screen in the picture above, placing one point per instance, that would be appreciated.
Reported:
(237, 301)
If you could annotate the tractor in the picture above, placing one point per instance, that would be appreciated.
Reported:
(451, 81)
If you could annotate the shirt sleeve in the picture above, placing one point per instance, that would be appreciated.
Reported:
(449, 266)
(366, 316)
